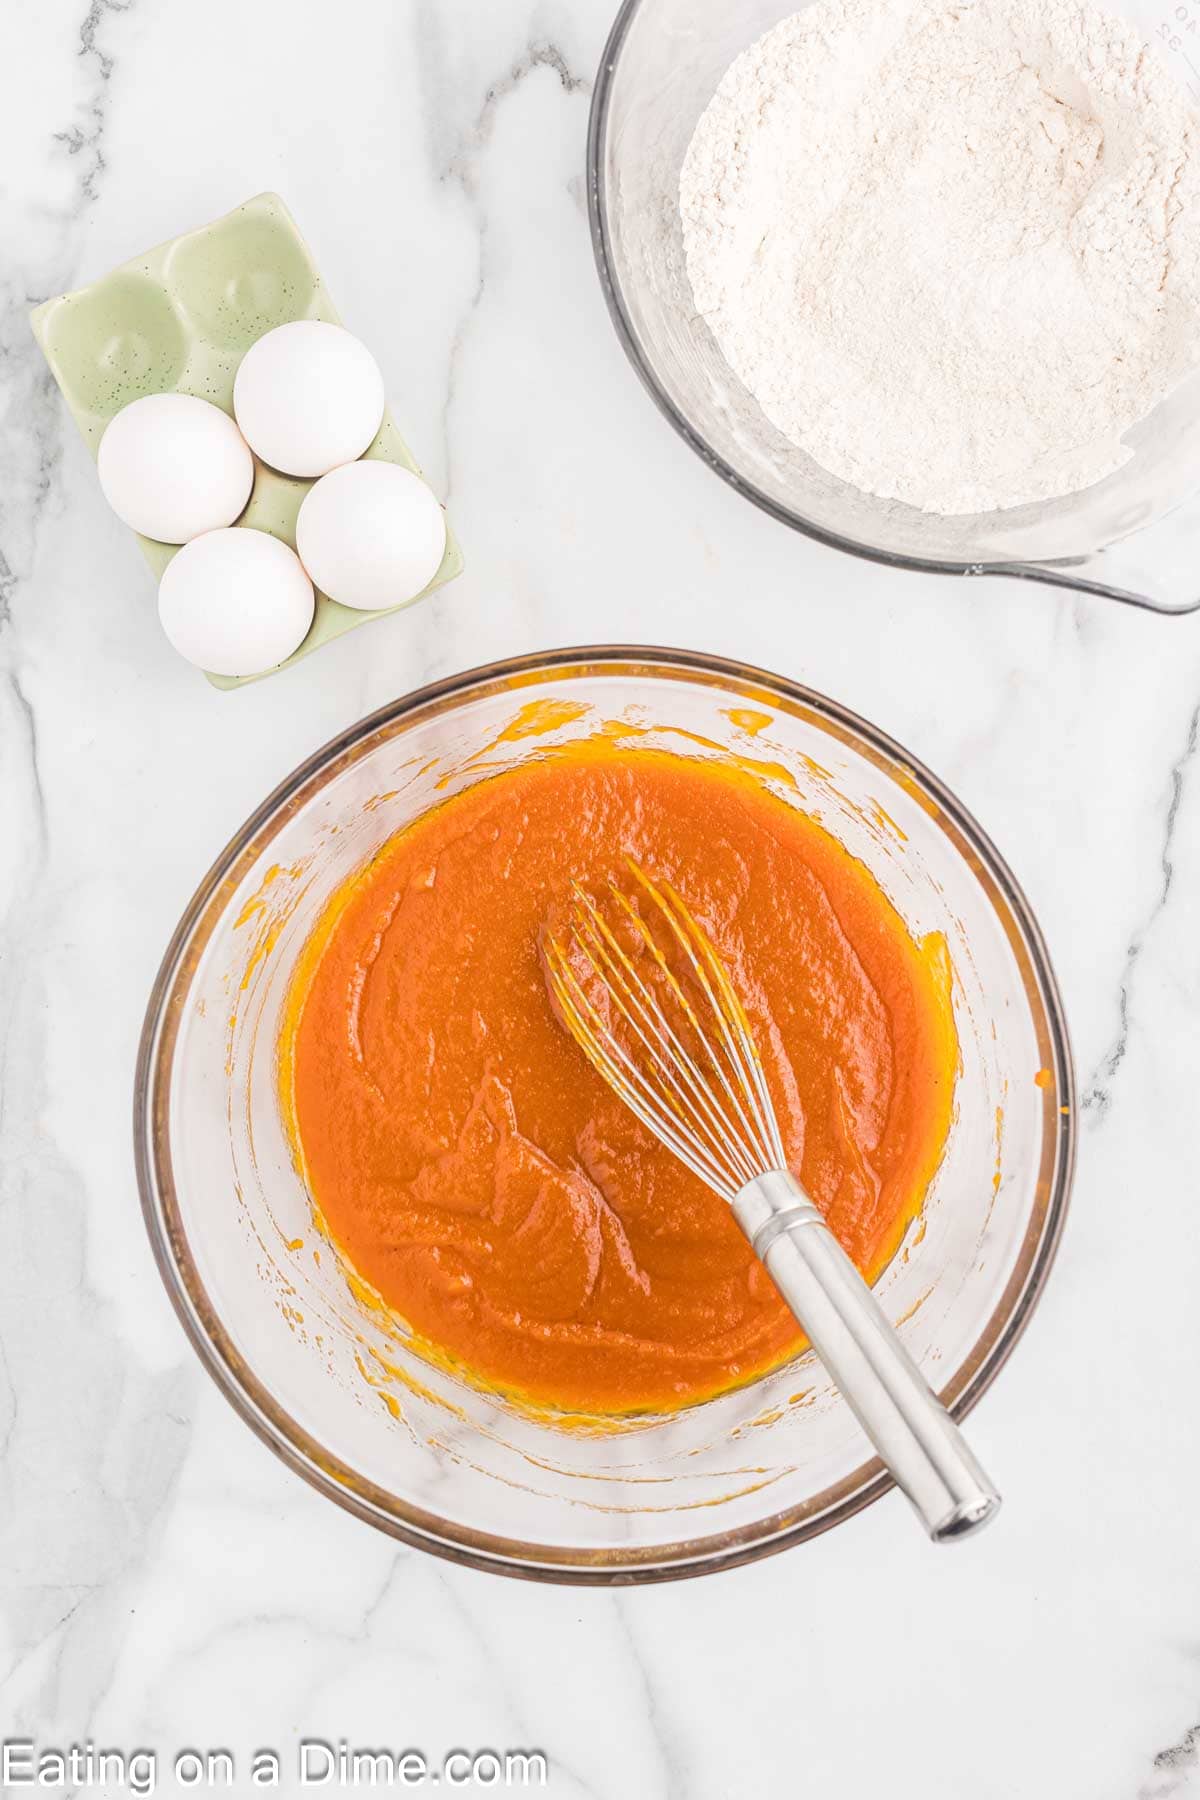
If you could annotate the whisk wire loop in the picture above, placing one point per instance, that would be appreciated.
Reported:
(685, 1062)
(589, 1029)
(683, 1089)
(730, 1015)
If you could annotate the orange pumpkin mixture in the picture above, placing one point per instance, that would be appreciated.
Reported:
(481, 1177)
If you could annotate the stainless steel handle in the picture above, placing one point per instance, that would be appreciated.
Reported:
(911, 1429)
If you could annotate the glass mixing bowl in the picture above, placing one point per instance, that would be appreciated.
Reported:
(1134, 536)
(334, 1385)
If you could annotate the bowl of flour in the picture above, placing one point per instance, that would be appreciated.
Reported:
(920, 277)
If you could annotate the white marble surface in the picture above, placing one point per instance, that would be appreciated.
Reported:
(165, 1581)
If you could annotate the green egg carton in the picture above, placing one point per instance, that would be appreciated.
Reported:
(178, 320)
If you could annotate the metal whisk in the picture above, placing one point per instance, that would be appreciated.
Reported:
(648, 1000)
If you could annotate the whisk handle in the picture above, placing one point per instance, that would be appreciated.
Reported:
(911, 1430)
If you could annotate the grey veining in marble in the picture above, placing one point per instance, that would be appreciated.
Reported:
(165, 1581)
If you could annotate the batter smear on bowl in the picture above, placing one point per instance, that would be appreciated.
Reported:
(482, 1178)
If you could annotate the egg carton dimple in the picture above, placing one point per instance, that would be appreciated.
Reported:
(178, 320)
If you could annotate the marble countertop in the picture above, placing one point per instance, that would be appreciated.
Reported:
(166, 1582)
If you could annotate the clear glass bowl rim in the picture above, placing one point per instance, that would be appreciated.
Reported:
(239, 1383)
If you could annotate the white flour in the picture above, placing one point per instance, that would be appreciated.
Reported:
(951, 249)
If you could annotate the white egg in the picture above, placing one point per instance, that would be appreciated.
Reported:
(235, 602)
(172, 466)
(308, 397)
(371, 535)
